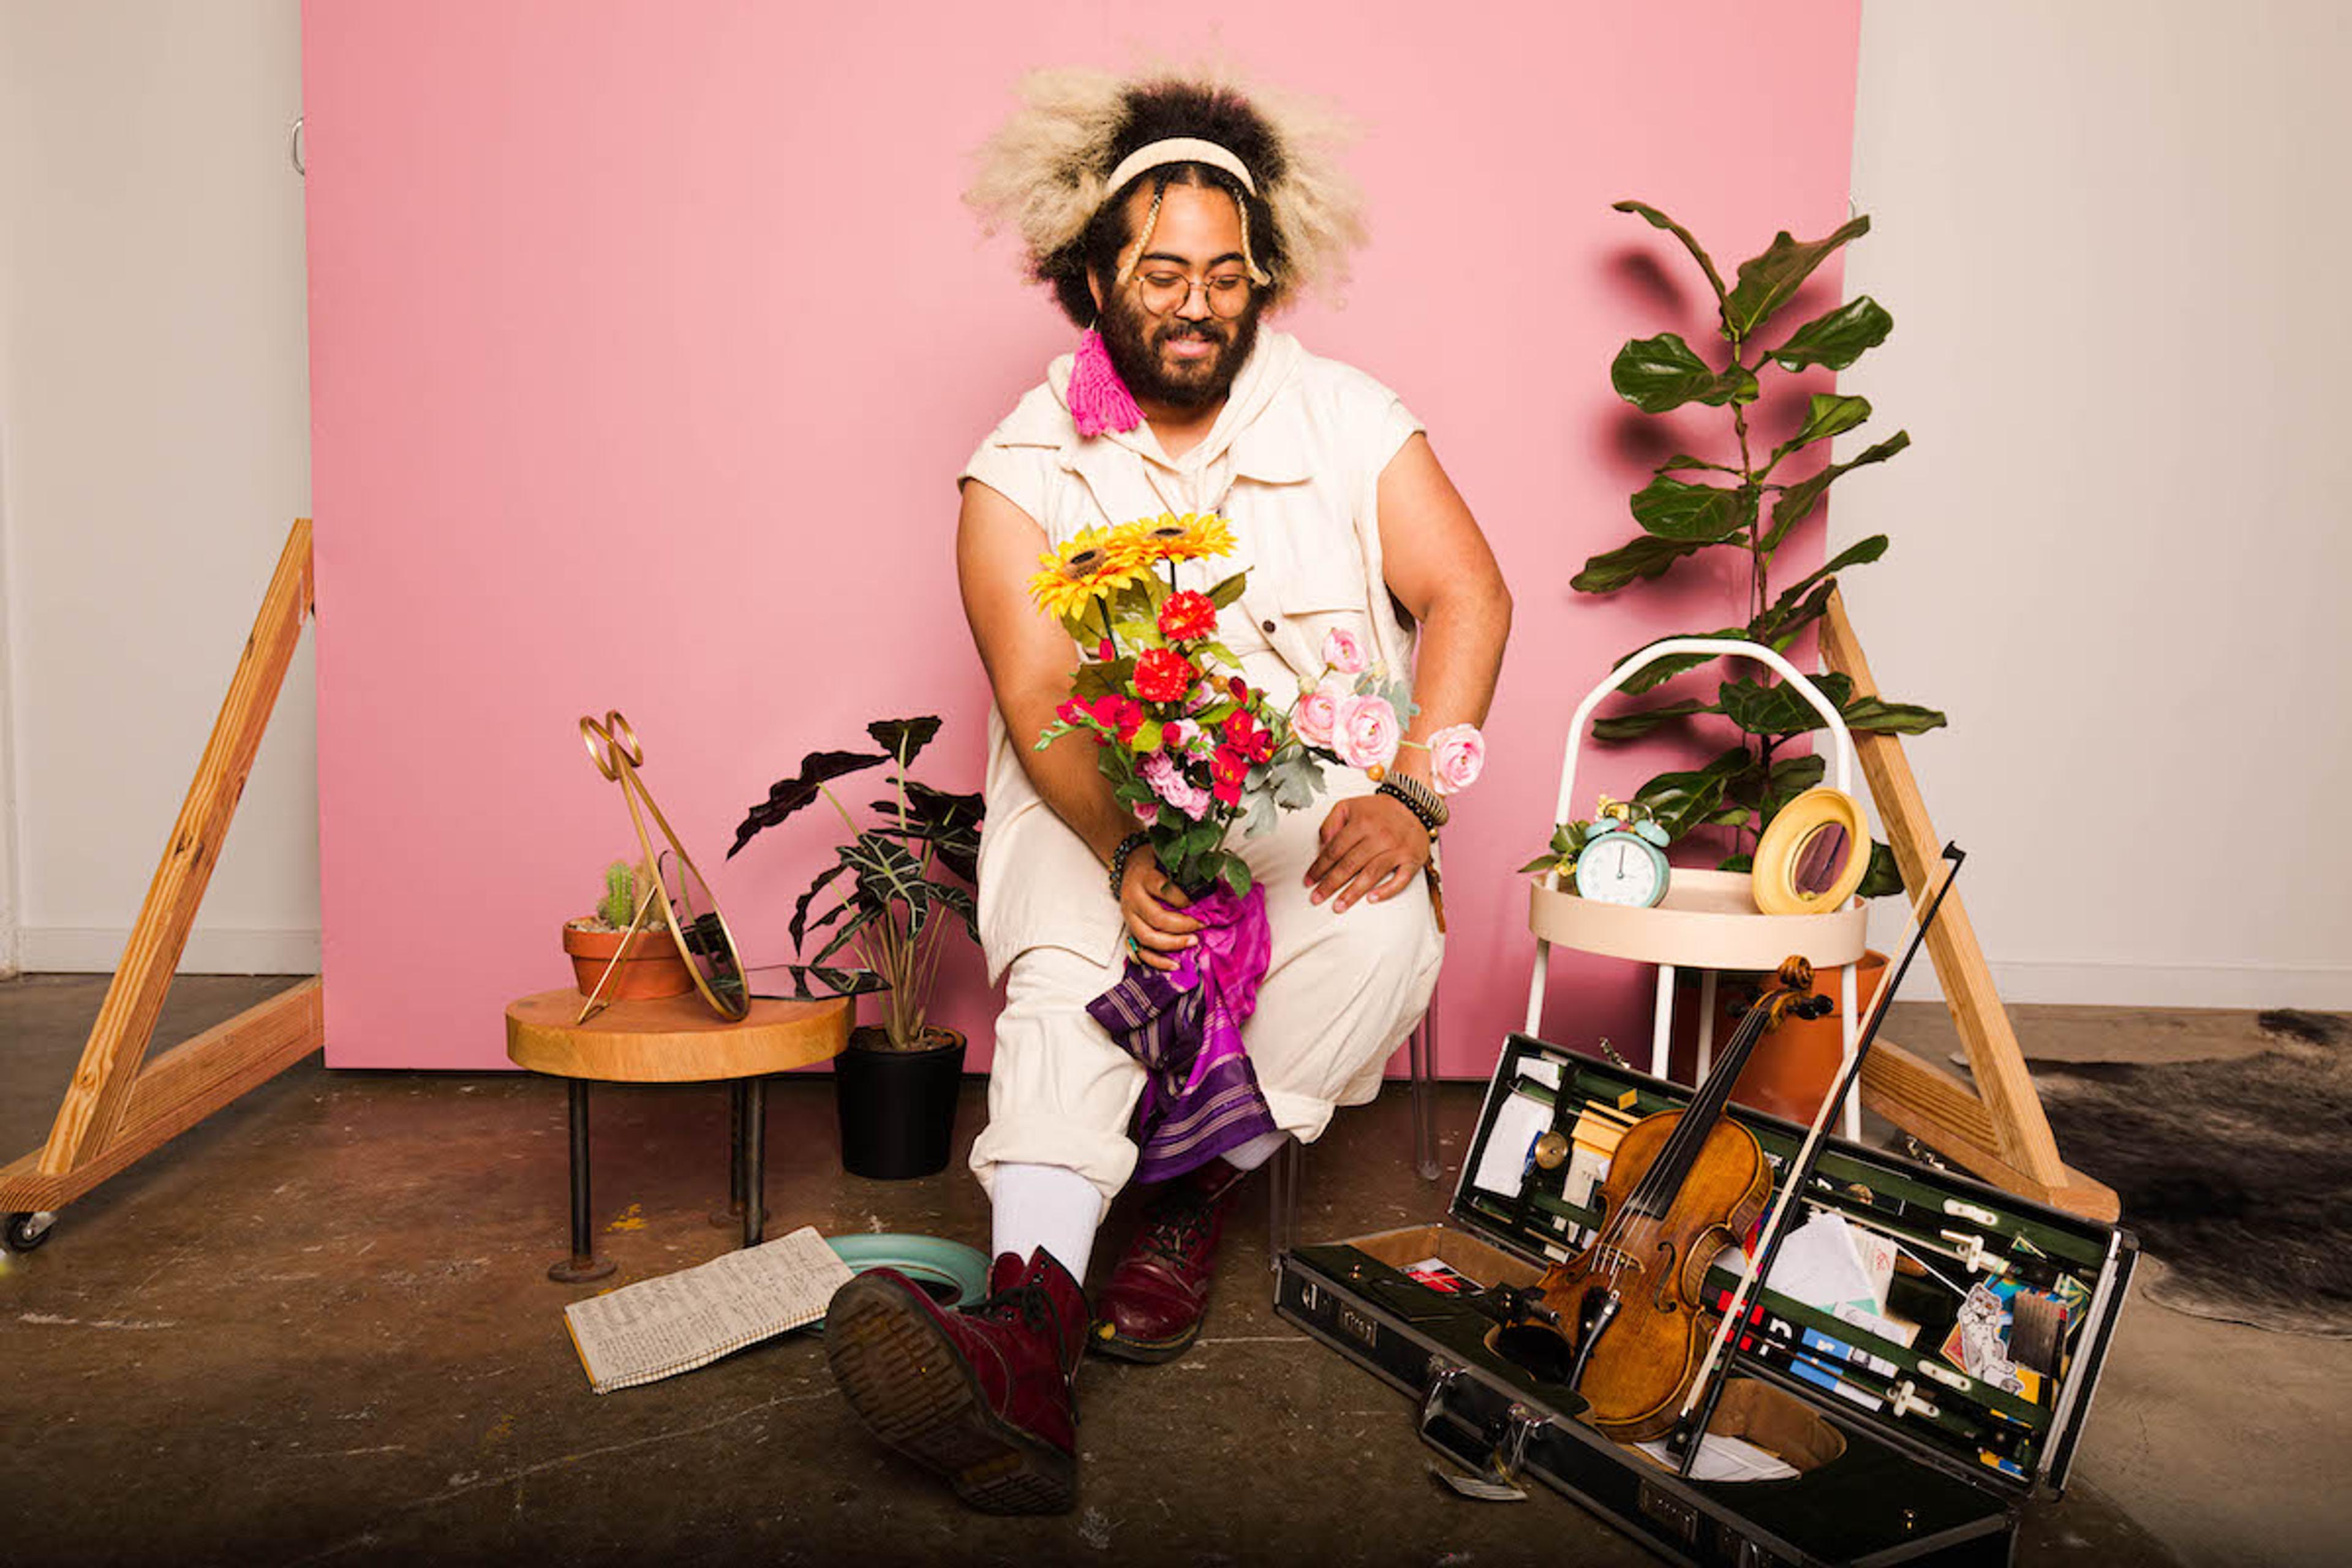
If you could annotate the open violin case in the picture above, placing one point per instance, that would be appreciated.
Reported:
(1899, 1452)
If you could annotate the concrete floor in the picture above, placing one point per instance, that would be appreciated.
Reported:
(317, 1327)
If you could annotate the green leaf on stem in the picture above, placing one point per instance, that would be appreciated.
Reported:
(1682, 462)
(1704, 514)
(1882, 876)
(1651, 676)
(1655, 374)
(1229, 590)
(1237, 874)
(1766, 282)
(786, 796)
(1828, 414)
(1779, 709)
(1879, 717)
(1631, 726)
(1790, 777)
(1682, 801)
(1798, 499)
(1657, 219)
(1860, 552)
(1740, 862)
(1647, 556)
(1835, 339)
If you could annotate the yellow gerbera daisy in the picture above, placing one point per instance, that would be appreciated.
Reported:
(1094, 562)
(1187, 538)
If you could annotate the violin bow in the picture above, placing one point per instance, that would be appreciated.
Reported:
(1707, 1386)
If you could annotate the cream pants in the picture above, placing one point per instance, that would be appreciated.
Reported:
(1342, 993)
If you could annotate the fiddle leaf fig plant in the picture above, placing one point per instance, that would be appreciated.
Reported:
(1742, 501)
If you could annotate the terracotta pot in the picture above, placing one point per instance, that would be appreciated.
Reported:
(652, 968)
(898, 1108)
(1796, 1064)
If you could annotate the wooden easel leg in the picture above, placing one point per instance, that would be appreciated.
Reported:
(1997, 1131)
(120, 1105)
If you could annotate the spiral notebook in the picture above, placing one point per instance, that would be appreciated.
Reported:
(659, 1328)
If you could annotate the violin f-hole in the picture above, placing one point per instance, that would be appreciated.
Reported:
(1662, 1295)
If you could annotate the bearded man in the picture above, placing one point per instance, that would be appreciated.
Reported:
(1171, 215)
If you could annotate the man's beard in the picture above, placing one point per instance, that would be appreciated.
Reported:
(1135, 341)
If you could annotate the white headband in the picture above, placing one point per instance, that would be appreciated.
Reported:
(1179, 150)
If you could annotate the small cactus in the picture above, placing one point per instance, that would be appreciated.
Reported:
(620, 903)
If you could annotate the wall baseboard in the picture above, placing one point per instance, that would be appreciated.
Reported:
(84, 949)
(2318, 990)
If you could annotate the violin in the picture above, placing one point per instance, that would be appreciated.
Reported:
(1683, 1186)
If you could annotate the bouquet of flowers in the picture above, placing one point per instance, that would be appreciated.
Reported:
(1190, 747)
(1186, 742)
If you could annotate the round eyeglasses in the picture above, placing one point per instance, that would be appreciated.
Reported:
(1163, 291)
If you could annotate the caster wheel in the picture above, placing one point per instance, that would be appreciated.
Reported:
(26, 1231)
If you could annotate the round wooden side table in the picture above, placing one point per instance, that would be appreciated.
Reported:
(677, 1039)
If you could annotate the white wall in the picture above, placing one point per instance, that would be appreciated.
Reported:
(2113, 239)
(154, 447)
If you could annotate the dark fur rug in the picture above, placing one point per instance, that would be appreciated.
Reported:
(2236, 1174)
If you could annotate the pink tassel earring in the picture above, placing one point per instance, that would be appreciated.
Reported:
(1099, 400)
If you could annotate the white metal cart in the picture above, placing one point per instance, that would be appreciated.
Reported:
(1709, 920)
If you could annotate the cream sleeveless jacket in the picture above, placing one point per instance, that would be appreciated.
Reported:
(1293, 463)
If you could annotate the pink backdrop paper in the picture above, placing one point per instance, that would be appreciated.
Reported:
(647, 340)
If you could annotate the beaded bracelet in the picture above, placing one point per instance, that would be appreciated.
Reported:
(1118, 858)
(1419, 799)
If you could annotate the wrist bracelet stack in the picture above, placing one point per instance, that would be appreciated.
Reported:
(1118, 858)
(1419, 799)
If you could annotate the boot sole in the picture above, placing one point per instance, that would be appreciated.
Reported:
(906, 1381)
(1149, 1352)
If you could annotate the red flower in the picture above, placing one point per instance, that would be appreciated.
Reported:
(1239, 687)
(1228, 767)
(1187, 615)
(1107, 650)
(1070, 711)
(1244, 734)
(1163, 675)
(1123, 714)
(1227, 792)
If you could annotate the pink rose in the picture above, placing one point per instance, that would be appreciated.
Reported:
(1317, 712)
(1169, 783)
(1342, 652)
(1365, 732)
(1457, 754)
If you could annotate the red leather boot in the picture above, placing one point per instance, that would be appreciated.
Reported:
(1152, 1308)
(982, 1395)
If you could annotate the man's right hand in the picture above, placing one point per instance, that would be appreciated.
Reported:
(1149, 902)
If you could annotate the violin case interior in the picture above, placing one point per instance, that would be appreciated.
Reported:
(1901, 1454)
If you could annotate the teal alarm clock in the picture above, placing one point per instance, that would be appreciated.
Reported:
(1623, 863)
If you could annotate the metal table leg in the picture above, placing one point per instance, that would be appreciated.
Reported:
(755, 1159)
(731, 1215)
(584, 1264)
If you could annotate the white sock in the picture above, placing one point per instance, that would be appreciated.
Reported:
(1256, 1152)
(1050, 1206)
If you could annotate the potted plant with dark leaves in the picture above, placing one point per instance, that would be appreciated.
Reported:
(1749, 498)
(894, 892)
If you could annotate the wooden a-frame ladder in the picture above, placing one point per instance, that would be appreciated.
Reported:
(121, 1105)
(1997, 1130)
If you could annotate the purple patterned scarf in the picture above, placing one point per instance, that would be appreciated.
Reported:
(1201, 1097)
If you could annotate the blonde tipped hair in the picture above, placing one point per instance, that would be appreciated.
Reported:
(1045, 173)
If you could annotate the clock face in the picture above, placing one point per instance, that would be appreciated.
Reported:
(1620, 868)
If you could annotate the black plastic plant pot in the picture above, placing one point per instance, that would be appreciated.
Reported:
(898, 1108)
